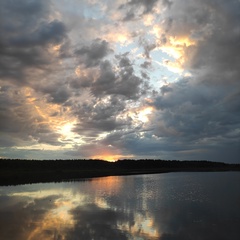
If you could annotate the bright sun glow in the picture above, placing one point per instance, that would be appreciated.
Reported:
(66, 130)
(109, 158)
(143, 114)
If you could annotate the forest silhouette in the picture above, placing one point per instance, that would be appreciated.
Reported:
(19, 171)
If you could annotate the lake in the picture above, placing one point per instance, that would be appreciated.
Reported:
(169, 206)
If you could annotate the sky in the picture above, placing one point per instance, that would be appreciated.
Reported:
(119, 79)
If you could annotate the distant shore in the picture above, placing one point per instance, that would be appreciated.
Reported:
(14, 172)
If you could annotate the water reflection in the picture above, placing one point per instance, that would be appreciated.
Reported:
(162, 206)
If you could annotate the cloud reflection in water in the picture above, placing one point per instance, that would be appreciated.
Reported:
(148, 207)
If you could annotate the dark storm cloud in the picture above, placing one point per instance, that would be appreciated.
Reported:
(26, 33)
(133, 6)
(192, 121)
(55, 93)
(124, 82)
(115, 138)
(132, 143)
(216, 54)
(81, 82)
(196, 115)
(61, 95)
(200, 112)
(92, 55)
(165, 89)
(52, 32)
(97, 117)
(112, 82)
(185, 102)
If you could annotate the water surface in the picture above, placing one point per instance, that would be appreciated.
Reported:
(157, 206)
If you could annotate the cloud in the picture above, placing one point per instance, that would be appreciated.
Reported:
(124, 82)
(91, 55)
(148, 47)
(93, 67)
(194, 113)
(197, 109)
(27, 38)
(57, 94)
(95, 118)
(94, 222)
(110, 80)
(141, 7)
(22, 120)
(20, 212)
(47, 33)
(208, 25)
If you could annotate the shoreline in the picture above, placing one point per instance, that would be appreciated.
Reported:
(17, 172)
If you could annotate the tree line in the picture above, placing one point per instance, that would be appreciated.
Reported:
(20, 171)
(98, 164)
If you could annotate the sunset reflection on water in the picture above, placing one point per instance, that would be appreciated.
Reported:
(63, 210)
(145, 207)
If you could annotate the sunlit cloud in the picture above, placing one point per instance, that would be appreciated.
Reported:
(140, 115)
